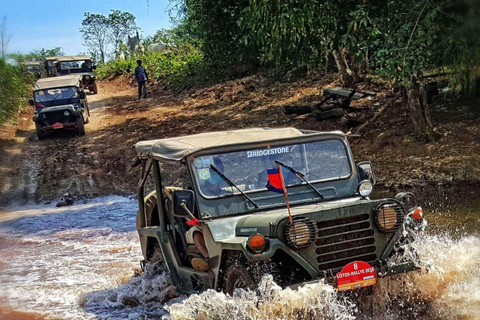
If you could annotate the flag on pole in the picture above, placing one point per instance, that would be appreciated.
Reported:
(276, 183)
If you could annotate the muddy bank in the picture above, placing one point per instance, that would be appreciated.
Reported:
(99, 162)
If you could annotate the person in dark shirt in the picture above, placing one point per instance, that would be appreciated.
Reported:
(141, 77)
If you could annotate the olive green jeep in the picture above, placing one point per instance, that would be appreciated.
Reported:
(216, 183)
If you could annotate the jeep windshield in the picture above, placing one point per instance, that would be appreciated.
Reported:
(77, 66)
(320, 161)
(56, 97)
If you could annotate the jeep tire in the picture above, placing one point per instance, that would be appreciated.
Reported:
(80, 125)
(237, 277)
(40, 133)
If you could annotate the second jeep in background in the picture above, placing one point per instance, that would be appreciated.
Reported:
(81, 65)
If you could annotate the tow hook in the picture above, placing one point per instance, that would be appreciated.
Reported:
(142, 265)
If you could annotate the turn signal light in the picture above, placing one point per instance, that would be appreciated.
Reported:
(418, 214)
(256, 243)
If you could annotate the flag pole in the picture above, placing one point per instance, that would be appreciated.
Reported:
(285, 194)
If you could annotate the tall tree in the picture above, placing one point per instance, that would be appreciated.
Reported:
(4, 38)
(96, 33)
(120, 24)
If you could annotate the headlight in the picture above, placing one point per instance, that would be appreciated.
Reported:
(301, 233)
(388, 216)
(87, 77)
(365, 188)
(66, 113)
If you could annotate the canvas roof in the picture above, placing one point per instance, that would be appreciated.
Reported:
(57, 82)
(178, 148)
(73, 58)
(51, 58)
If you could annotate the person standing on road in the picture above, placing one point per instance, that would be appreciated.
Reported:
(141, 77)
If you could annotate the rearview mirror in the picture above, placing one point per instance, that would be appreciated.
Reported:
(82, 94)
(30, 101)
(183, 203)
(365, 170)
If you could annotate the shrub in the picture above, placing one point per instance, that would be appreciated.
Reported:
(15, 89)
(174, 68)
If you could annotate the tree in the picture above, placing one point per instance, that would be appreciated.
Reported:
(96, 33)
(120, 25)
(4, 38)
(36, 55)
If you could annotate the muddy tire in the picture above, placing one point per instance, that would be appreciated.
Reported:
(80, 126)
(237, 277)
(95, 88)
(40, 133)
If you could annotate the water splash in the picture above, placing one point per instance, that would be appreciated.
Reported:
(78, 263)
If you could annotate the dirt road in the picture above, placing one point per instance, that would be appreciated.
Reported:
(99, 162)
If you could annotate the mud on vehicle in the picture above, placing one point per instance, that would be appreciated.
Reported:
(59, 103)
(80, 65)
(216, 182)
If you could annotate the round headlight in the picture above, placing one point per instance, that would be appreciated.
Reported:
(66, 113)
(87, 77)
(365, 188)
(388, 216)
(301, 233)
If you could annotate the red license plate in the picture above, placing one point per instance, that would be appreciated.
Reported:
(355, 275)
(57, 125)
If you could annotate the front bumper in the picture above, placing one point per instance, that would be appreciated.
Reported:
(383, 271)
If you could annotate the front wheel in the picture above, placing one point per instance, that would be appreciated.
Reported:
(40, 133)
(80, 126)
(95, 88)
(237, 277)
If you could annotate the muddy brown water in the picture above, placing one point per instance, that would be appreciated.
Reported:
(78, 263)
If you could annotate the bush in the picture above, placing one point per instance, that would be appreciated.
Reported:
(175, 68)
(15, 89)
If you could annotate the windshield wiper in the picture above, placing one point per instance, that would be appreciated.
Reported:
(300, 176)
(70, 97)
(231, 184)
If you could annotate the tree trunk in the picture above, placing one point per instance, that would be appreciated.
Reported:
(417, 104)
(340, 66)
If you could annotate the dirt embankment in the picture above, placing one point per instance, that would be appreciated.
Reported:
(99, 162)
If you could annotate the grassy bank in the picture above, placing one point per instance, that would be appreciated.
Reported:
(174, 68)
(15, 90)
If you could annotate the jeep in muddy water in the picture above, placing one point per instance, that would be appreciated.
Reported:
(216, 183)
(80, 65)
(59, 103)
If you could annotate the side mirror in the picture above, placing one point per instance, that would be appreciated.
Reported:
(183, 203)
(365, 170)
(30, 101)
(83, 95)
(94, 67)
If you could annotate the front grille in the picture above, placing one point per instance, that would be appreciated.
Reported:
(344, 240)
(55, 116)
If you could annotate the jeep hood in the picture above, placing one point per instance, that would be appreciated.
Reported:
(69, 107)
(227, 229)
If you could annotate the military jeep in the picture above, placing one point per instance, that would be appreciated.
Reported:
(80, 65)
(331, 229)
(59, 103)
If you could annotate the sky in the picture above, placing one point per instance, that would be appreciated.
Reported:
(36, 24)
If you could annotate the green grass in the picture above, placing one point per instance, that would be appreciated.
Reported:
(15, 89)
(174, 68)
